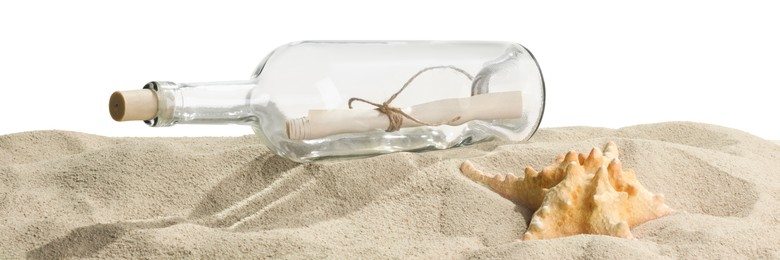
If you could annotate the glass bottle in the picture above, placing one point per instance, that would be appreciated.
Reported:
(448, 94)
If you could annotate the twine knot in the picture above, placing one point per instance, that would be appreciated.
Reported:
(395, 115)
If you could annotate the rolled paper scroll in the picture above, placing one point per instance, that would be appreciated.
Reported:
(454, 111)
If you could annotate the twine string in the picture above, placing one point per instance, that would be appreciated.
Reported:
(394, 114)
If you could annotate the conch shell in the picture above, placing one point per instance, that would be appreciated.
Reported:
(578, 194)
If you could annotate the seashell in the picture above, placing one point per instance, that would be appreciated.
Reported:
(578, 194)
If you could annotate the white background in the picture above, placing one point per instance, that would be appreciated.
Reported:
(606, 63)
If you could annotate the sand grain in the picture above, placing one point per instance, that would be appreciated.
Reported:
(66, 194)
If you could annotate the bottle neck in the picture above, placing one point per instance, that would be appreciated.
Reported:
(226, 102)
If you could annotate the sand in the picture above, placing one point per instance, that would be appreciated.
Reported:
(67, 194)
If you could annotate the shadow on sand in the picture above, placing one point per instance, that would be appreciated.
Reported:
(267, 192)
(88, 240)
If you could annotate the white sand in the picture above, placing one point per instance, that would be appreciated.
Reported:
(65, 194)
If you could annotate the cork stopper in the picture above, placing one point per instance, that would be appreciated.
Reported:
(133, 105)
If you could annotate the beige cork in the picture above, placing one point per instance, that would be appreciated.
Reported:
(133, 105)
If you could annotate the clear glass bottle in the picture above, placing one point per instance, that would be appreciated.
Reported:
(443, 80)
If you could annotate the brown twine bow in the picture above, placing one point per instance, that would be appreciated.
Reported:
(394, 114)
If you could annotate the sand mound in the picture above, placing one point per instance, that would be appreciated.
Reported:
(65, 194)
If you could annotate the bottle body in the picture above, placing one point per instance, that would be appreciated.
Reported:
(300, 82)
